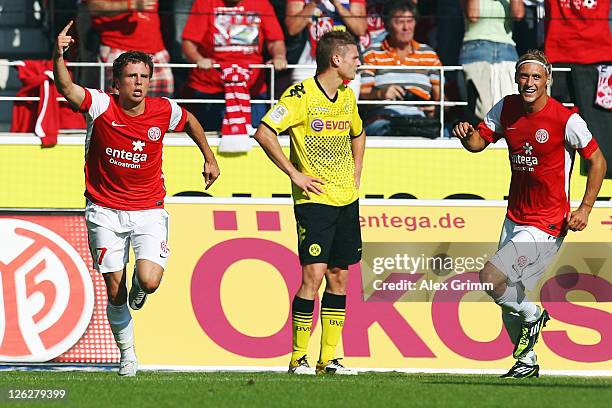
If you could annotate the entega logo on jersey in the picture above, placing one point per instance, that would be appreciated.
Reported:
(523, 163)
(135, 158)
(526, 162)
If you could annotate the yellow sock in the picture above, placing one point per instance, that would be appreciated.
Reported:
(301, 317)
(332, 320)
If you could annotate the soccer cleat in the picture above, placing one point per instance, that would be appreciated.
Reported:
(530, 333)
(332, 367)
(302, 367)
(137, 296)
(522, 370)
(128, 368)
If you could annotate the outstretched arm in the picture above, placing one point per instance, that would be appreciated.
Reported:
(578, 220)
(269, 143)
(196, 133)
(73, 93)
(470, 138)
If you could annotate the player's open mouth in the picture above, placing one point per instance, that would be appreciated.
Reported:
(529, 91)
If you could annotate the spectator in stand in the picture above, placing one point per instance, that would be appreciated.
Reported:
(180, 11)
(449, 34)
(528, 33)
(488, 54)
(578, 36)
(376, 27)
(400, 48)
(230, 32)
(126, 25)
(319, 17)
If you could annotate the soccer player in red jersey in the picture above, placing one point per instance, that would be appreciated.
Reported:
(124, 181)
(542, 137)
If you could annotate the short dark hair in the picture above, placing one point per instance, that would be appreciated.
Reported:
(131, 57)
(395, 6)
(332, 43)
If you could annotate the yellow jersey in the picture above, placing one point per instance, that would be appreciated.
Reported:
(321, 130)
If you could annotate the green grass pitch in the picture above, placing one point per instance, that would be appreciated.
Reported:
(231, 389)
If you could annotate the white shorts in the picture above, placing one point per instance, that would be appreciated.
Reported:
(110, 233)
(524, 253)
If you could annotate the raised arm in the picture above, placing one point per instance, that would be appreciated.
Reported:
(73, 93)
(578, 220)
(111, 8)
(196, 133)
(268, 141)
(470, 138)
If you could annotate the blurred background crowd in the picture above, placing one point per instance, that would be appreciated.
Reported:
(476, 42)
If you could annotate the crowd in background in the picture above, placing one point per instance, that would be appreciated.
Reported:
(484, 36)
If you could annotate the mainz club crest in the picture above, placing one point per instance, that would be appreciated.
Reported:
(154, 133)
(541, 136)
(46, 297)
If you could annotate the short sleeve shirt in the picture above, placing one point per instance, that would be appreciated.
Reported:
(123, 154)
(321, 130)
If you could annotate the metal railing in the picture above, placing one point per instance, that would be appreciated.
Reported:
(442, 103)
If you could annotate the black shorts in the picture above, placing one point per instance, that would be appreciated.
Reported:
(328, 234)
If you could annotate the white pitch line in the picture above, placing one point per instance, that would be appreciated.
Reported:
(282, 369)
(181, 368)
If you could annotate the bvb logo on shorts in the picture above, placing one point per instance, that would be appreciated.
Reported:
(314, 250)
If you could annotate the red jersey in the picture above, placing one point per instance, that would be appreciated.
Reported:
(134, 30)
(123, 154)
(231, 35)
(326, 18)
(541, 147)
(578, 31)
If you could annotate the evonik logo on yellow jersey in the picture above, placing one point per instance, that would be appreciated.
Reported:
(318, 124)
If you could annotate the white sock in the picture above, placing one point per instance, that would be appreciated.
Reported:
(512, 322)
(122, 326)
(514, 300)
(530, 358)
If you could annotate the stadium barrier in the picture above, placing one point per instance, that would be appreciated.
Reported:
(225, 299)
(442, 103)
(32, 177)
